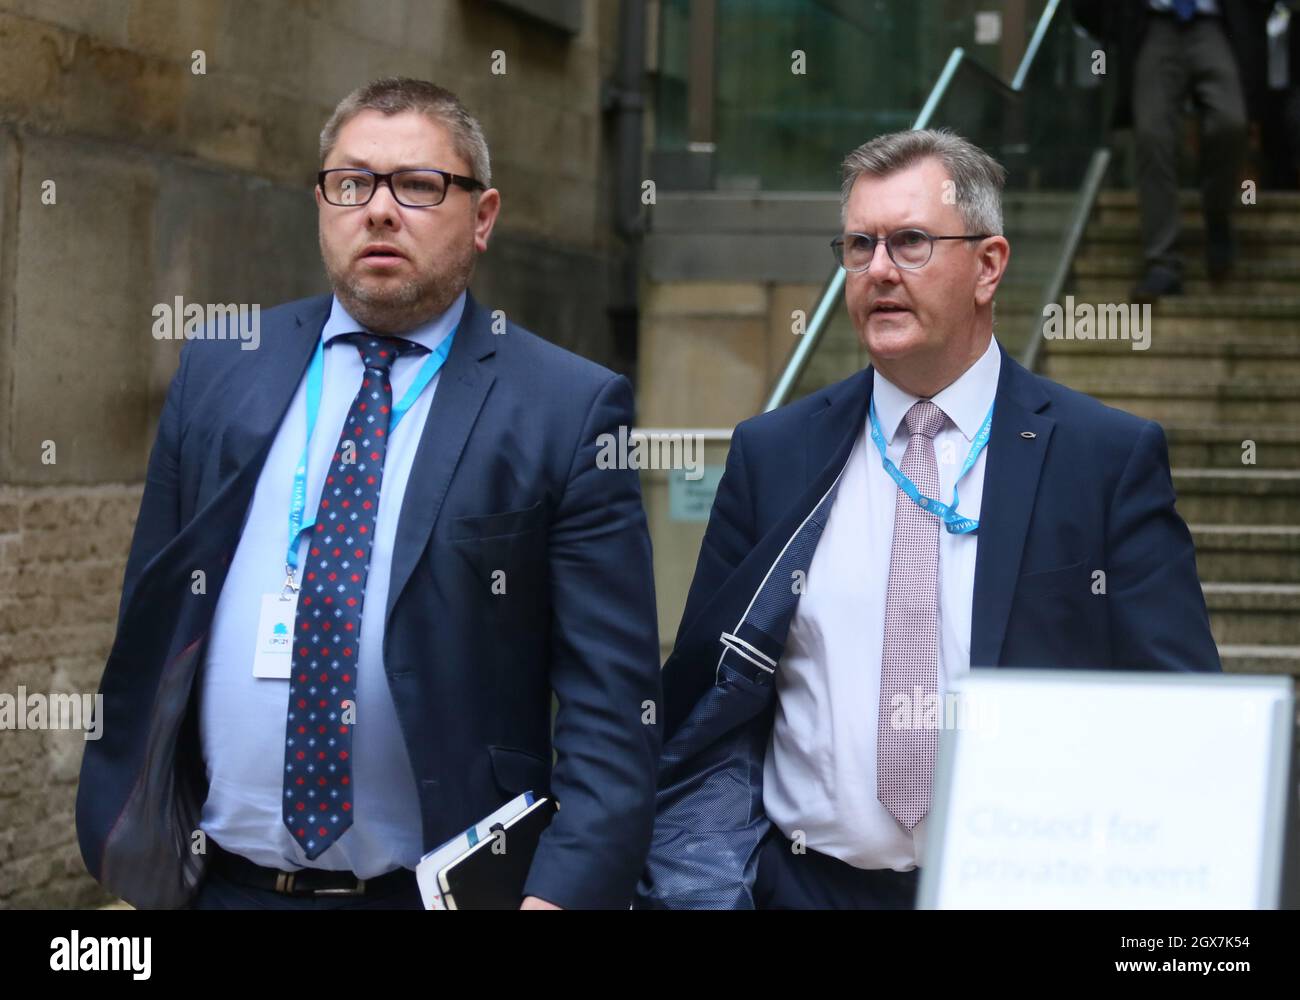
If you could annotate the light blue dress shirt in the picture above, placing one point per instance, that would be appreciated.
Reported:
(819, 775)
(242, 717)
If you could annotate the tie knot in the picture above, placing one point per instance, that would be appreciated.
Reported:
(924, 418)
(380, 352)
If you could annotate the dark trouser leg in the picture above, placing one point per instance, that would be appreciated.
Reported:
(1219, 98)
(787, 880)
(1161, 82)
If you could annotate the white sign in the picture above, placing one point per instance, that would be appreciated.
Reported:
(1110, 790)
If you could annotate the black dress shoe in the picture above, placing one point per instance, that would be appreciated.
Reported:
(1156, 282)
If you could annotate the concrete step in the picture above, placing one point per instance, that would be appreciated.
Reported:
(1176, 306)
(1259, 401)
(1254, 613)
(1231, 553)
(1269, 208)
(1178, 358)
(1207, 446)
(1167, 319)
(1260, 659)
(1254, 243)
(1189, 198)
(1063, 201)
(1238, 496)
(1273, 218)
(1116, 288)
(1256, 237)
(1128, 266)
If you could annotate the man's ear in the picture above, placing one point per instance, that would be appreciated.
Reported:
(994, 255)
(485, 217)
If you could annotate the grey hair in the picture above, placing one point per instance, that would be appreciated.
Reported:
(392, 95)
(977, 177)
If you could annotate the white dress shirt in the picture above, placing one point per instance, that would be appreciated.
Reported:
(242, 718)
(820, 769)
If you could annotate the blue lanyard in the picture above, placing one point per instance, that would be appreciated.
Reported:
(315, 376)
(952, 522)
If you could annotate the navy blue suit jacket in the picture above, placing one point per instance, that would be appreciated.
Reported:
(505, 478)
(1088, 490)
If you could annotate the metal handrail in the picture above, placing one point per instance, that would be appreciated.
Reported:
(1035, 43)
(798, 362)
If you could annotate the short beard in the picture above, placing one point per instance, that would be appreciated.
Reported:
(412, 303)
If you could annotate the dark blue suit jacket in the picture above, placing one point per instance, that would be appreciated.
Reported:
(1088, 490)
(505, 478)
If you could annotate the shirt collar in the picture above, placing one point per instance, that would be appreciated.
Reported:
(965, 402)
(428, 335)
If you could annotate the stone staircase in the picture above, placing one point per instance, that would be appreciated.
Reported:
(1222, 369)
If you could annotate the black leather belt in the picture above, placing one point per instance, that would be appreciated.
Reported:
(307, 881)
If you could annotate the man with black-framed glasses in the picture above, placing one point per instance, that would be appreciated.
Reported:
(940, 510)
(406, 546)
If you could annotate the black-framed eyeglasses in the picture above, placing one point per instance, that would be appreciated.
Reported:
(422, 188)
(908, 248)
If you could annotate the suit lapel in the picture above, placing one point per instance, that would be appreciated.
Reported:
(270, 381)
(462, 388)
(833, 428)
(829, 433)
(1011, 474)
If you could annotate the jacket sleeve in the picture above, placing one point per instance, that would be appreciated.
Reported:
(1157, 610)
(159, 518)
(605, 674)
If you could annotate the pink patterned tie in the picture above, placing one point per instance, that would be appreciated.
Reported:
(909, 665)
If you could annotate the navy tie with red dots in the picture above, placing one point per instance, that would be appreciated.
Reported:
(318, 789)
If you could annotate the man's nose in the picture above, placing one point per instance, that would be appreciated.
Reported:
(880, 254)
(382, 206)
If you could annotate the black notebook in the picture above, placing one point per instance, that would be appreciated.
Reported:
(491, 874)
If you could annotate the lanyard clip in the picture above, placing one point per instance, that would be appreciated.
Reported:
(288, 584)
